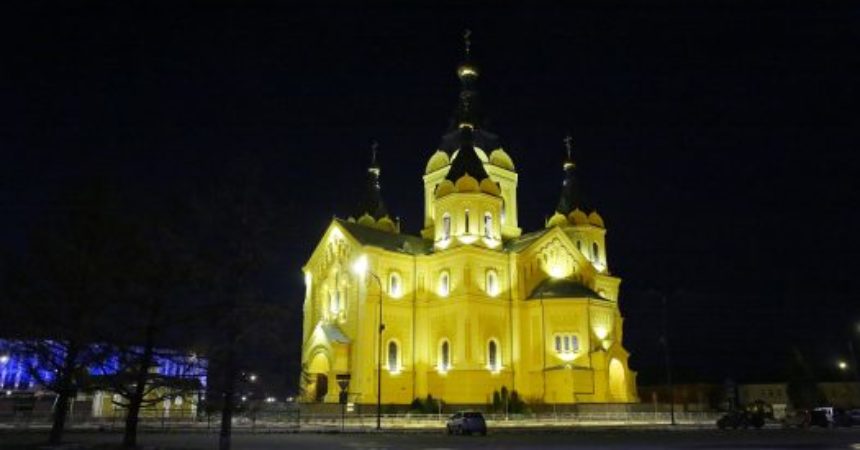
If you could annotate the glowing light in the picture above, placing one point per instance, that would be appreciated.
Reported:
(4, 359)
(601, 331)
(568, 356)
(842, 365)
(557, 271)
(490, 242)
(359, 267)
(252, 377)
(467, 238)
(270, 399)
(8, 393)
(443, 243)
(244, 398)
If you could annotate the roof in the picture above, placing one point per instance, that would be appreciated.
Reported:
(467, 161)
(571, 195)
(515, 245)
(395, 242)
(334, 334)
(562, 288)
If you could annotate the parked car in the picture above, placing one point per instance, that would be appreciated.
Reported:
(467, 422)
(797, 419)
(854, 414)
(828, 416)
(740, 419)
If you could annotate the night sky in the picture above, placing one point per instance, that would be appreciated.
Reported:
(718, 141)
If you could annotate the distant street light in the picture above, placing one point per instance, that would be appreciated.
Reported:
(252, 378)
(842, 365)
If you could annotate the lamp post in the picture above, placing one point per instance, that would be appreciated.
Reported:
(360, 268)
(664, 339)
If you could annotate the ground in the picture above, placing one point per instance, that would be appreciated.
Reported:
(509, 440)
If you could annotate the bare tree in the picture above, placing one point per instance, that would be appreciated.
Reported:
(58, 292)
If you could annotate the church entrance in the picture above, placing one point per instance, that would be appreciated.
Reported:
(321, 387)
(617, 381)
(318, 370)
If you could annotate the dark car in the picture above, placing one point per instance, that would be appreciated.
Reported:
(467, 423)
(740, 419)
(797, 419)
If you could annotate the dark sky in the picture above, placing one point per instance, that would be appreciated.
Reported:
(718, 141)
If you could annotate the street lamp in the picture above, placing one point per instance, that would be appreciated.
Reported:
(360, 267)
(842, 365)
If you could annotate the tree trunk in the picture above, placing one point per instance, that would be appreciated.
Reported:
(60, 412)
(65, 392)
(132, 418)
(129, 438)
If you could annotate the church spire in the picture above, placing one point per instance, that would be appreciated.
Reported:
(371, 202)
(467, 107)
(467, 161)
(571, 196)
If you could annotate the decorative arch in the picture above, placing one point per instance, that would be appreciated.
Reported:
(617, 380)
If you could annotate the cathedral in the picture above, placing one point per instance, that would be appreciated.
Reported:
(473, 304)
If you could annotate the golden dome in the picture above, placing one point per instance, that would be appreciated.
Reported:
(366, 220)
(439, 160)
(556, 220)
(490, 187)
(595, 219)
(577, 217)
(500, 158)
(386, 224)
(467, 183)
(444, 188)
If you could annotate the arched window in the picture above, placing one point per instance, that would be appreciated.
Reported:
(466, 221)
(444, 283)
(492, 282)
(394, 285)
(595, 251)
(393, 357)
(444, 356)
(446, 226)
(493, 355)
(488, 225)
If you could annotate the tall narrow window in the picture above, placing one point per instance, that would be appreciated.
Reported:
(444, 283)
(466, 221)
(579, 246)
(574, 344)
(567, 343)
(394, 284)
(392, 357)
(493, 355)
(492, 283)
(488, 225)
(446, 226)
(444, 356)
(558, 344)
(595, 251)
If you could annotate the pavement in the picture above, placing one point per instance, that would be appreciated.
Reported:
(590, 438)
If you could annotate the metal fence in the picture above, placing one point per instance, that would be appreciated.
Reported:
(263, 421)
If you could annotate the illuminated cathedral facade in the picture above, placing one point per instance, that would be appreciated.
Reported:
(473, 304)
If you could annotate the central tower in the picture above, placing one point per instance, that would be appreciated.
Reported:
(468, 149)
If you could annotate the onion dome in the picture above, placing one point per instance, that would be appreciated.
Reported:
(500, 158)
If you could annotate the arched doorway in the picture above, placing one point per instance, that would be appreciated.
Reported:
(617, 381)
(318, 370)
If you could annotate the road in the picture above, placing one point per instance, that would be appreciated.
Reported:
(578, 439)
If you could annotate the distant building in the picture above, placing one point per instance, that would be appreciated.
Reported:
(472, 304)
(17, 369)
